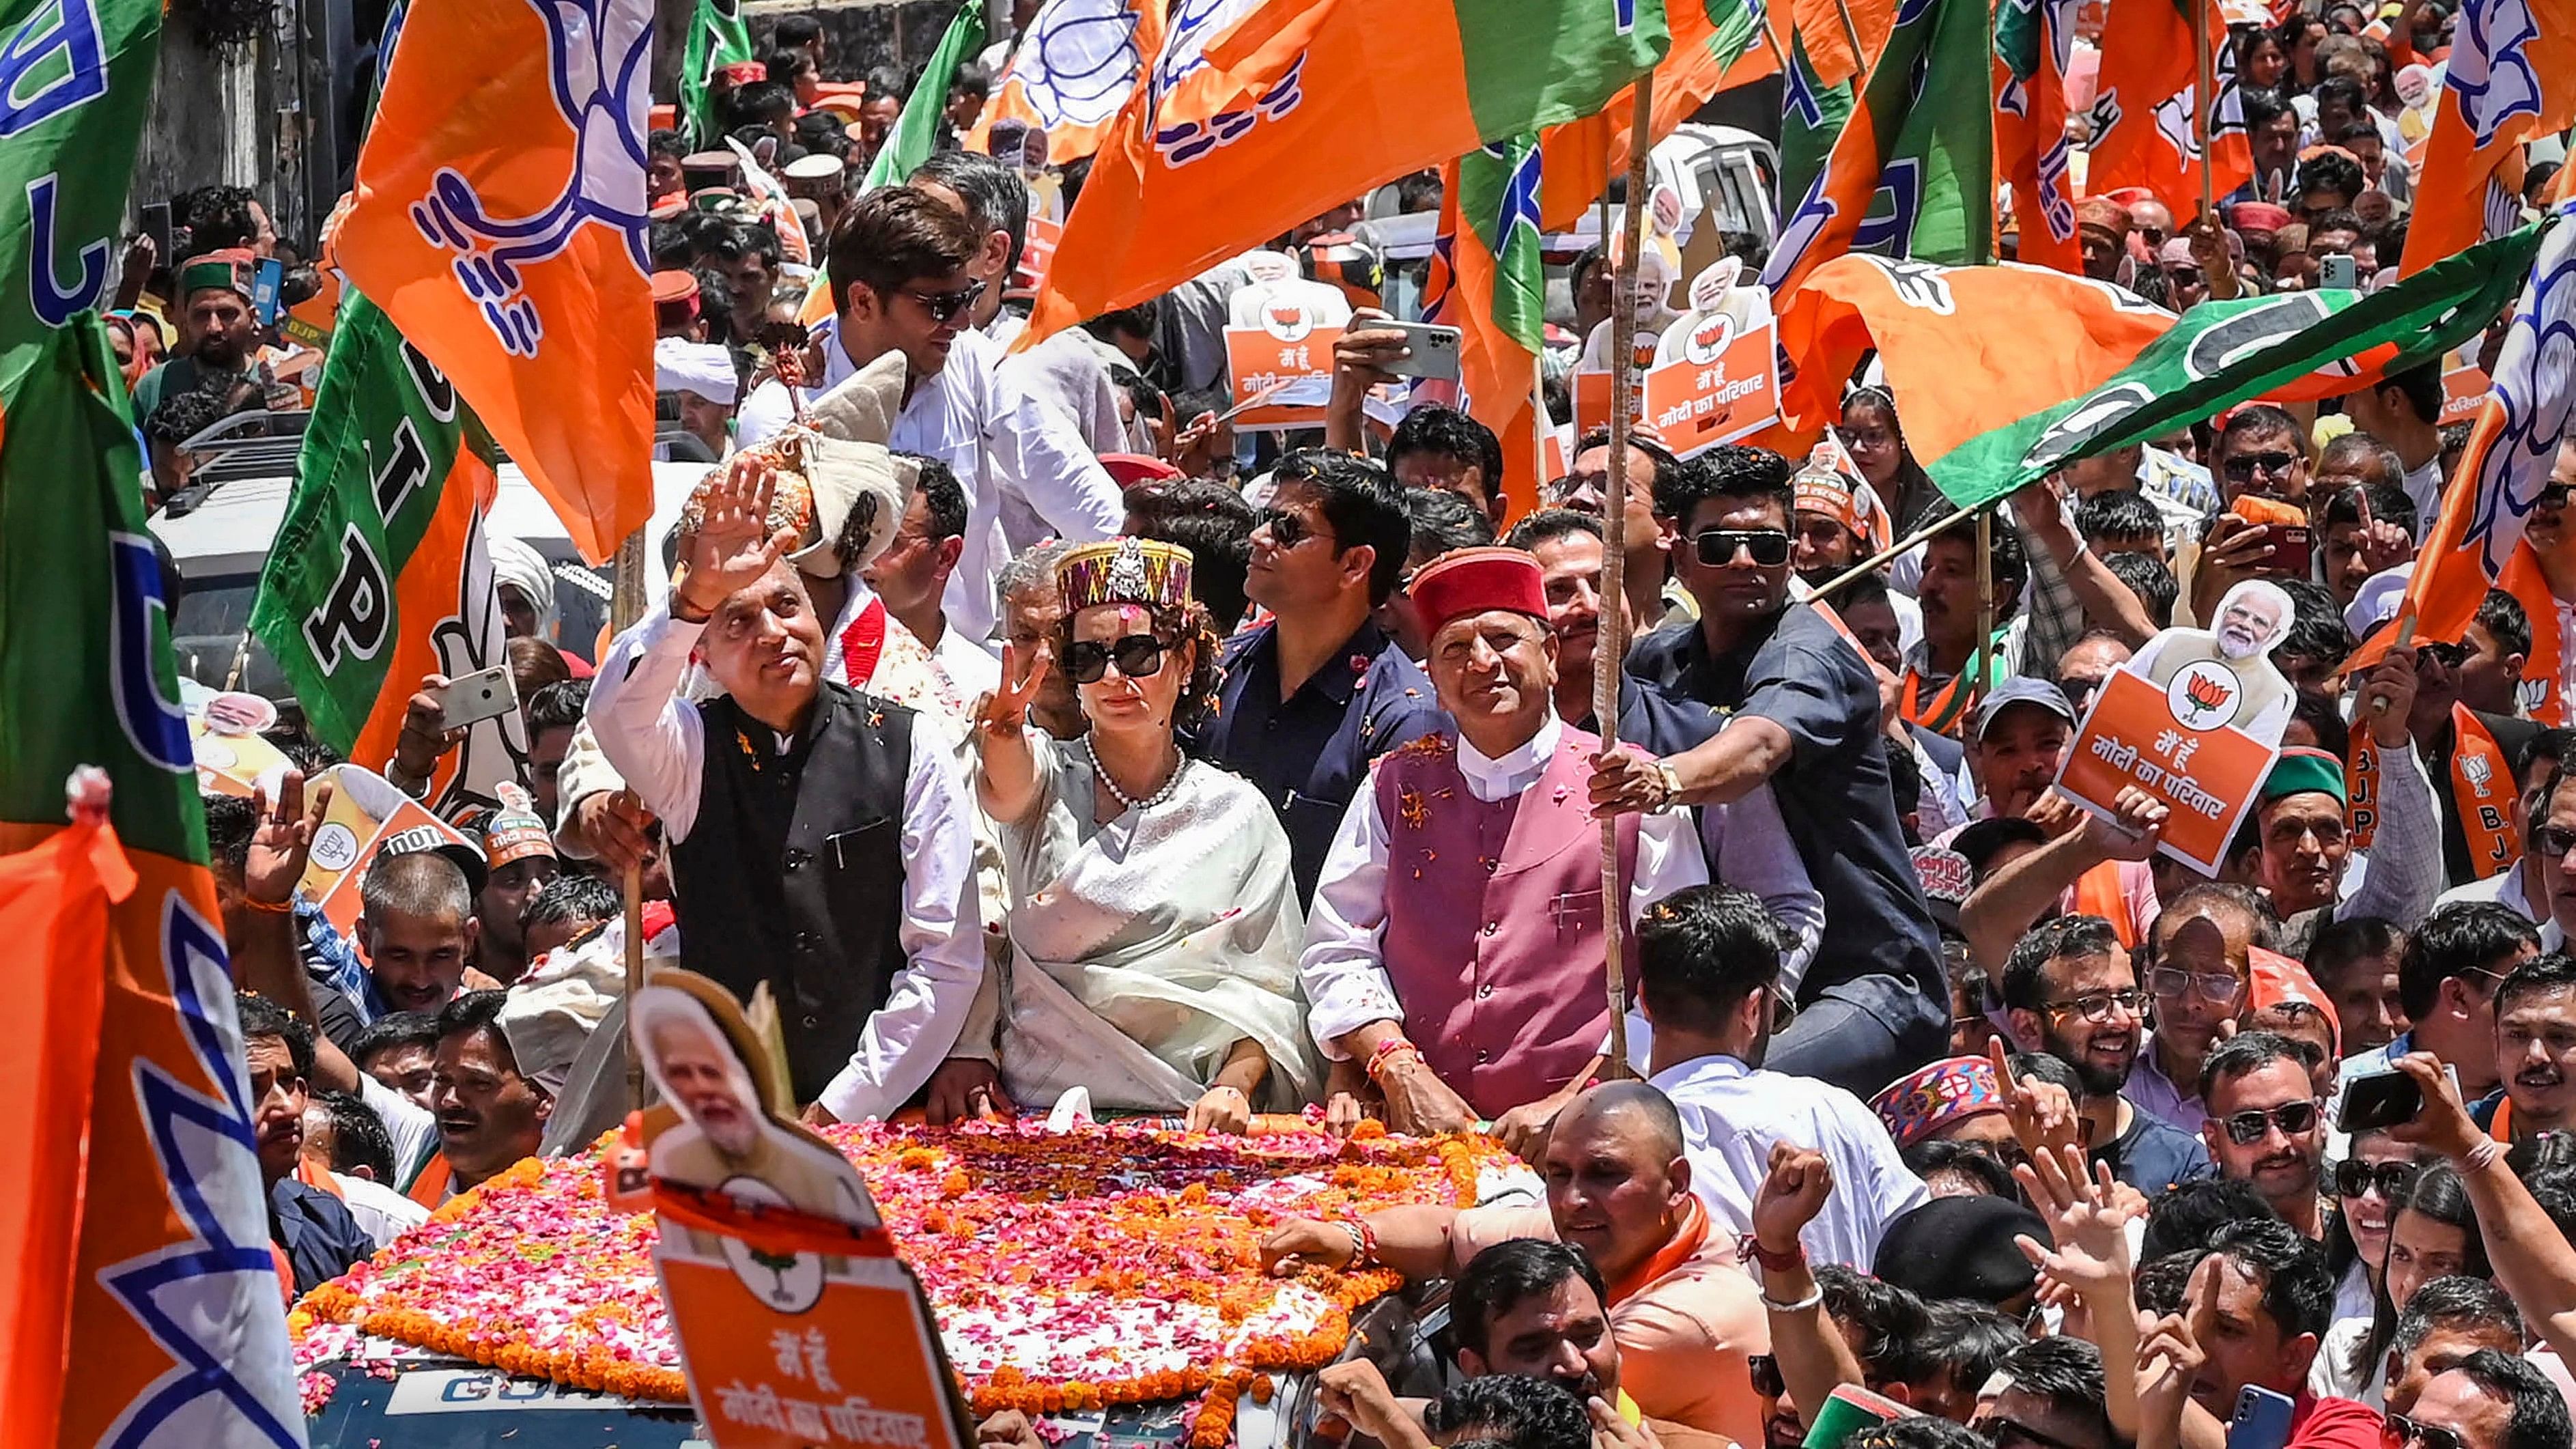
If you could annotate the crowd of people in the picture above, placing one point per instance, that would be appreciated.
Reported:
(1060, 737)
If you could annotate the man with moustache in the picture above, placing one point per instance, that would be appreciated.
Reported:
(2265, 1125)
(2070, 991)
(2535, 1018)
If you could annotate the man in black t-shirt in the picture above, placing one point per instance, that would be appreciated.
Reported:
(1805, 720)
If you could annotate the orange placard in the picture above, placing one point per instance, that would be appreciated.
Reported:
(1035, 255)
(1288, 347)
(368, 817)
(792, 1350)
(1725, 385)
(2464, 392)
(2207, 777)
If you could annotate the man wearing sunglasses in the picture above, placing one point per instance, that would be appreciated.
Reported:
(2265, 1125)
(1804, 719)
(1315, 694)
(901, 272)
(2489, 1400)
(1473, 846)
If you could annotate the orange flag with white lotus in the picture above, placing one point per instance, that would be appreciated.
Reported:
(2511, 76)
(499, 220)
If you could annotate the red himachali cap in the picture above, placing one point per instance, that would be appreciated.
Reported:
(1473, 580)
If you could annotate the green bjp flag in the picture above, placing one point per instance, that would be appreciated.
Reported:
(717, 38)
(2289, 346)
(916, 131)
(75, 85)
(380, 574)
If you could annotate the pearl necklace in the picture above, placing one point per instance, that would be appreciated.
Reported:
(1126, 800)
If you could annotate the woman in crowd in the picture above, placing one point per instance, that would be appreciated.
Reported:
(2367, 1186)
(2433, 1233)
(1153, 919)
(1878, 449)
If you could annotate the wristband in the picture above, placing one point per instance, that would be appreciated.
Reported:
(1363, 1245)
(280, 908)
(2481, 1157)
(1752, 1251)
(1388, 1051)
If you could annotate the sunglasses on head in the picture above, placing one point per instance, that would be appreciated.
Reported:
(2293, 1118)
(942, 306)
(1138, 656)
(2354, 1177)
(2245, 465)
(1767, 547)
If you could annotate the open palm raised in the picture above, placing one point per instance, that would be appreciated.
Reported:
(734, 545)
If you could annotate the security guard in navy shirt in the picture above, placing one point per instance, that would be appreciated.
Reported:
(1315, 694)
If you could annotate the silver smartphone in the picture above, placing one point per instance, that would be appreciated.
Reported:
(1432, 350)
(473, 698)
(2338, 270)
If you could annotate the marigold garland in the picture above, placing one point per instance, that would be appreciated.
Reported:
(1110, 1265)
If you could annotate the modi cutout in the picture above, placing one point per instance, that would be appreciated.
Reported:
(2253, 618)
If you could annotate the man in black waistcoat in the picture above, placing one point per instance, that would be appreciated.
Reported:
(816, 844)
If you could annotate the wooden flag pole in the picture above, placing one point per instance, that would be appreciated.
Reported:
(2203, 102)
(1983, 660)
(625, 606)
(1851, 33)
(1880, 559)
(1611, 653)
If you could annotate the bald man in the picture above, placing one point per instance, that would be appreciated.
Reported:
(1684, 1314)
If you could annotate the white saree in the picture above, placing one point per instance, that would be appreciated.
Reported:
(1144, 947)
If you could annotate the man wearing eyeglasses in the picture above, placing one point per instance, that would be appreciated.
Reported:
(2265, 1126)
(2070, 991)
(900, 272)
(1804, 709)
(2197, 963)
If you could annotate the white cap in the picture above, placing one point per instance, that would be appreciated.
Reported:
(680, 365)
(2375, 602)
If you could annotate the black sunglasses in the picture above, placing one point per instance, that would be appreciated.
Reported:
(1767, 547)
(2243, 465)
(2552, 842)
(1287, 530)
(944, 305)
(1767, 1382)
(2402, 1431)
(2293, 1118)
(2354, 1177)
(1139, 656)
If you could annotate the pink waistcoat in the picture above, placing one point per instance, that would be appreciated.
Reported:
(1493, 920)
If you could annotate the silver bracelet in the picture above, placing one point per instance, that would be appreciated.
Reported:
(1815, 1296)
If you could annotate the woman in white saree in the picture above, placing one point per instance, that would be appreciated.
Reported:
(1153, 919)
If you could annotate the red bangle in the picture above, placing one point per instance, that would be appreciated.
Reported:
(280, 908)
(1363, 1244)
(1753, 1251)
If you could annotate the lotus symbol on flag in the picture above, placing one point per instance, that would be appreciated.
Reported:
(2489, 68)
(596, 51)
(1287, 322)
(2203, 695)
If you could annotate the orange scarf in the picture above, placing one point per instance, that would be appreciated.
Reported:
(429, 1189)
(317, 1177)
(1687, 1239)
(2543, 683)
(2098, 893)
(2481, 784)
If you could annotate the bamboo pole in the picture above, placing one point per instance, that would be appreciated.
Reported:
(1851, 33)
(1611, 653)
(2204, 101)
(1983, 660)
(1880, 559)
(625, 606)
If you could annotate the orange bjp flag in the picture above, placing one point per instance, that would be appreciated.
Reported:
(2144, 131)
(499, 220)
(1257, 115)
(1072, 74)
(2511, 76)
(1826, 28)
(1714, 49)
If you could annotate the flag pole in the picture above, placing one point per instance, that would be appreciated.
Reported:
(1880, 559)
(1983, 660)
(1609, 656)
(625, 606)
(2203, 103)
(1851, 33)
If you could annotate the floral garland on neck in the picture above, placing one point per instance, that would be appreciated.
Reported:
(1068, 1271)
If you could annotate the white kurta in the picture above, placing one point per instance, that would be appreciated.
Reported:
(1144, 947)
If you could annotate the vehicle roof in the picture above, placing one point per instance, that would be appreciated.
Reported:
(232, 530)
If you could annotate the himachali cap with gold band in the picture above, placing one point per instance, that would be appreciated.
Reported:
(1125, 571)
(1468, 581)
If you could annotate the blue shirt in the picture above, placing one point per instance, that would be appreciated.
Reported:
(2154, 1154)
(1798, 672)
(322, 1241)
(1310, 752)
